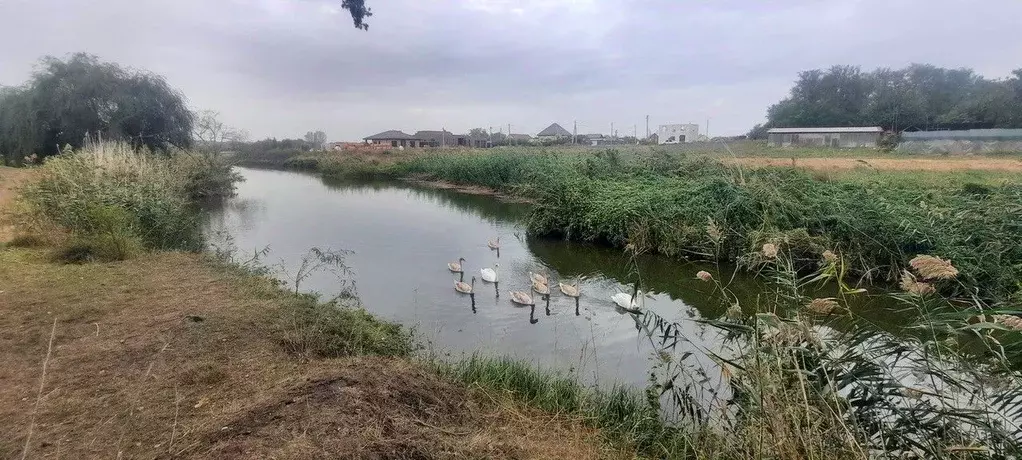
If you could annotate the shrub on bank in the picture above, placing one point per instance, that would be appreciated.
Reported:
(109, 194)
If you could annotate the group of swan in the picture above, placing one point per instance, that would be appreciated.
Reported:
(489, 275)
(541, 285)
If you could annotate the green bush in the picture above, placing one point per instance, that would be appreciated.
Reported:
(110, 189)
(311, 328)
(108, 247)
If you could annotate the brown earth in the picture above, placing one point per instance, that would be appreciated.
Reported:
(171, 356)
(900, 164)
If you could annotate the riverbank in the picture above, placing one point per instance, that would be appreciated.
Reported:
(177, 354)
(704, 208)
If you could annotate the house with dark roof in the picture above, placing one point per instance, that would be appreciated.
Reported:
(442, 138)
(554, 131)
(395, 138)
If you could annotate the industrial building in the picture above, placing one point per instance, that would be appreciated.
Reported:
(841, 137)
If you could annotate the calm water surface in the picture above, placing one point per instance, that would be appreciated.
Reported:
(402, 238)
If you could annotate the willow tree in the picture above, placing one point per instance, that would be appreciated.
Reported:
(68, 101)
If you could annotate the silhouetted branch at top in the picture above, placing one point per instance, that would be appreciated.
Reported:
(359, 12)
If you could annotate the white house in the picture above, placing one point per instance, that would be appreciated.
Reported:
(677, 134)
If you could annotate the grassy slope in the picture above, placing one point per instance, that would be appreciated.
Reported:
(169, 354)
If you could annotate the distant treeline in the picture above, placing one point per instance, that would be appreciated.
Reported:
(919, 97)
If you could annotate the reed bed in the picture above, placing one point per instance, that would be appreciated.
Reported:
(705, 209)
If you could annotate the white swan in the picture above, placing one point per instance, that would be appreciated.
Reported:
(494, 244)
(464, 287)
(631, 304)
(521, 298)
(489, 275)
(537, 278)
(456, 266)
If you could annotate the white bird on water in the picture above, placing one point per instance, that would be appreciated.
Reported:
(489, 275)
(456, 266)
(494, 244)
(630, 303)
(537, 278)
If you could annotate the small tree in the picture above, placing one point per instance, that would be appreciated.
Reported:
(316, 139)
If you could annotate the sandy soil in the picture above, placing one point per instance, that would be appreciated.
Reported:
(904, 164)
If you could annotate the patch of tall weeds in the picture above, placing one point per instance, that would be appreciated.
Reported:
(115, 201)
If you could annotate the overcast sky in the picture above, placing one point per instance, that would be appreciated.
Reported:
(284, 67)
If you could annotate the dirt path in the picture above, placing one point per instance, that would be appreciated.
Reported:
(903, 164)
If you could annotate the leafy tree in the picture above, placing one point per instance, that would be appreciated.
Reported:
(316, 139)
(66, 101)
(920, 96)
(478, 132)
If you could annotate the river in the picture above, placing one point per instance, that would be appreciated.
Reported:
(402, 237)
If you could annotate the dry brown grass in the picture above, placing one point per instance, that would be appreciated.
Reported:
(167, 356)
(10, 180)
(965, 163)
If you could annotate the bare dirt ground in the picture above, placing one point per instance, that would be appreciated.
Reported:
(895, 164)
(168, 356)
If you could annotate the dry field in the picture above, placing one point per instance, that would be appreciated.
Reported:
(948, 164)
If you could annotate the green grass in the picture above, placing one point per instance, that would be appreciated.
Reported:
(621, 414)
(110, 197)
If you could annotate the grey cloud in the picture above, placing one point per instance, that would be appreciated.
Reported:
(281, 67)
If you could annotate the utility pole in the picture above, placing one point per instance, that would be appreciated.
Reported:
(490, 141)
(647, 126)
(574, 133)
(707, 128)
(635, 131)
(612, 130)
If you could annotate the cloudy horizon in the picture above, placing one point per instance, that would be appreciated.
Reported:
(283, 67)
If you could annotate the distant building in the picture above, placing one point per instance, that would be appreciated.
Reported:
(841, 137)
(442, 138)
(554, 131)
(678, 133)
(519, 138)
(961, 142)
(395, 138)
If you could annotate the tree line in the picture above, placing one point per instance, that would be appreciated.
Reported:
(918, 97)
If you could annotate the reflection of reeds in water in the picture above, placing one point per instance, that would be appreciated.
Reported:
(815, 392)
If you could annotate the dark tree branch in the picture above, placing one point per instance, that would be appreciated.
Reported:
(358, 11)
